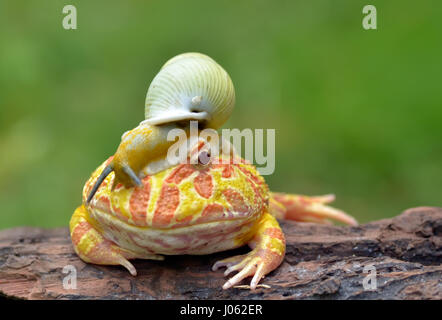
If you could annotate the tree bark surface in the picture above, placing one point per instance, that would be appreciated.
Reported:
(400, 256)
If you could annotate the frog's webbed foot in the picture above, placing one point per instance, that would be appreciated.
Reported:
(307, 209)
(92, 247)
(267, 255)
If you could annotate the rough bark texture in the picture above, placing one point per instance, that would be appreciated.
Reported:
(322, 262)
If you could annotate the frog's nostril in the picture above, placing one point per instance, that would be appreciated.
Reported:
(204, 158)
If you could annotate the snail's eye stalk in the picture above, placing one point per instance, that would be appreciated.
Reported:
(128, 170)
(100, 180)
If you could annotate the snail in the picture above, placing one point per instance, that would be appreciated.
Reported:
(189, 86)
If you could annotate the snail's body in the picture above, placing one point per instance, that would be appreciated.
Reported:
(138, 147)
(190, 86)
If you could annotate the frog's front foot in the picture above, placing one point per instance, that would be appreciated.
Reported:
(268, 252)
(251, 264)
(92, 247)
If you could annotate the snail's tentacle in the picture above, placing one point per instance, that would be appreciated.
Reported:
(132, 175)
(109, 168)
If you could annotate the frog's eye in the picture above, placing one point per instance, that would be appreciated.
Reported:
(204, 158)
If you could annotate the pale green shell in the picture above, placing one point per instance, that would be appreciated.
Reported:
(190, 86)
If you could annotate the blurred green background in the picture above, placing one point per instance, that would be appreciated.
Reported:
(357, 113)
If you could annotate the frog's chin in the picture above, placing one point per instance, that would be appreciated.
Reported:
(198, 239)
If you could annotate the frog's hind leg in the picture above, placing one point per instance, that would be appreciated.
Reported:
(92, 247)
(307, 209)
(268, 246)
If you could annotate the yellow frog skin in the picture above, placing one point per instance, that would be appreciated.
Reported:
(193, 209)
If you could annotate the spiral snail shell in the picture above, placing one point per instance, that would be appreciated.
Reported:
(190, 86)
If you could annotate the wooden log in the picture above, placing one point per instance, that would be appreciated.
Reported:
(322, 262)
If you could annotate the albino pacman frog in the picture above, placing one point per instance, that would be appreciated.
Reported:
(133, 210)
(193, 209)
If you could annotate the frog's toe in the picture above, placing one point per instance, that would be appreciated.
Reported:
(229, 262)
(129, 266)
(251, 264)
(247, 265)
(107, 253)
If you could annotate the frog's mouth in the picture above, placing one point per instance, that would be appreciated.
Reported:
(110, 219)
(210, 236)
